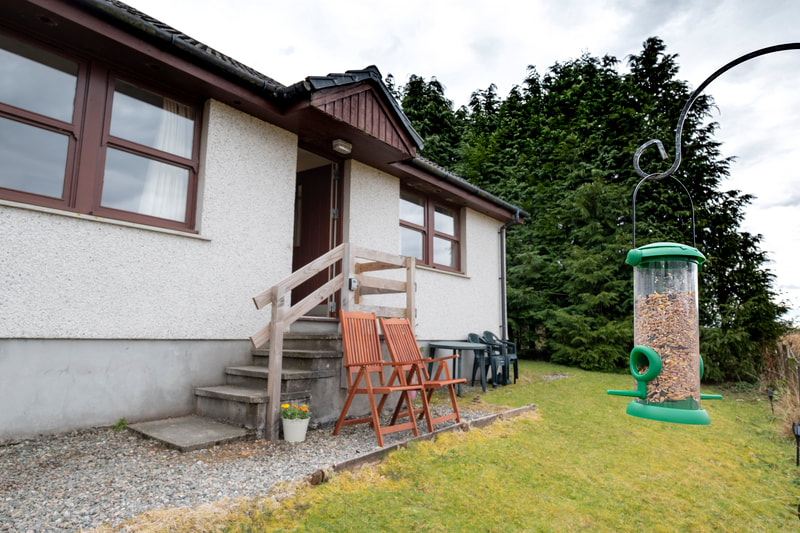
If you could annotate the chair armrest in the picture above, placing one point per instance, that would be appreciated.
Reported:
(378, 363)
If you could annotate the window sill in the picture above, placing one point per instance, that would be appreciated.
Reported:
(93, 218)
(440, 271)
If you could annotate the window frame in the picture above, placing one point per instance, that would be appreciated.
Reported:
(90, 138)
(428, 231)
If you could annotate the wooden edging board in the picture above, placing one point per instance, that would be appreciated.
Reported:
(323, 475)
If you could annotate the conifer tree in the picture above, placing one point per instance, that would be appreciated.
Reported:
(561, 147)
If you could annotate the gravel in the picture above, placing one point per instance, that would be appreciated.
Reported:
(94, 477)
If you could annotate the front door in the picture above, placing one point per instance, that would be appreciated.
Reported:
(317, 228)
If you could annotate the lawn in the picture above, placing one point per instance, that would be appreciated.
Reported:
(578, 464)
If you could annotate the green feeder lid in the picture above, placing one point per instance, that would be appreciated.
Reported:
(664, 251)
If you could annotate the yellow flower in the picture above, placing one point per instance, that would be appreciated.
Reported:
(285, 406)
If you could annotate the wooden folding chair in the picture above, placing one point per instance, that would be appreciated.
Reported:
(403, 349)
(362, 360)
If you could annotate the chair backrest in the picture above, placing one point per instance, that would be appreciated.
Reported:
(360, 340)
(400, 340)
(490, 337)
(495, 340)
(474, 337)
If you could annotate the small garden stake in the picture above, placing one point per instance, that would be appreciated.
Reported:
(796, 431)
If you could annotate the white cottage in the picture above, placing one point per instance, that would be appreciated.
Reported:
(151, 187)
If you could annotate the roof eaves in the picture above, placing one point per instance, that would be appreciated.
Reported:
(148, 28)
(444, 174)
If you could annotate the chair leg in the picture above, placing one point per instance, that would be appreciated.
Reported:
(479, 363)
(344, 412)
(493, 367)
(376, 421)
(349, 401)
(426, 409)
(454, 401)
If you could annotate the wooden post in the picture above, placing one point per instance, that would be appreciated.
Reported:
(411, 291)
(348, 271)
(272, 429)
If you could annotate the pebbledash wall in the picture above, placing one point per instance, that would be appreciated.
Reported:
(101, 320)
(449, 305)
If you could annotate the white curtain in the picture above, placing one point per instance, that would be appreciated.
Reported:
(166, 186)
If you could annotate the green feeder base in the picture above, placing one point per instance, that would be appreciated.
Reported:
(697, 417)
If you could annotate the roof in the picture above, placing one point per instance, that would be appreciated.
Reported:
(153, 30)
(178, 43)
(371, 73)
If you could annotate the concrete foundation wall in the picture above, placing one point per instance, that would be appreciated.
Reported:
(53, 385)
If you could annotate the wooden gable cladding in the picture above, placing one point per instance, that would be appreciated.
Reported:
(360, 106)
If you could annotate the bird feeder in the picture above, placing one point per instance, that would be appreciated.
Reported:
(665, 361)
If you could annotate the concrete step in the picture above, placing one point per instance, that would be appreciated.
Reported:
(302, 359)
(314, 325)
(240, 405)
(297, 341)
(292, 380)
(234, 392)
(189, 433)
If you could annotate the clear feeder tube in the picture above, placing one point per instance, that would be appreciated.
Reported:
(666, 319)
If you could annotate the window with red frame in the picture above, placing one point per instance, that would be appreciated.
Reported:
(429, 231)
(75, 136)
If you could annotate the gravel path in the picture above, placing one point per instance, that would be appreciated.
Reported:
(89, 478)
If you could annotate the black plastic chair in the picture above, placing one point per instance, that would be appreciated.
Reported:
(484, 360)
(508, 350)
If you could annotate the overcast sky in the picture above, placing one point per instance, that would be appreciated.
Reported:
(471, 44)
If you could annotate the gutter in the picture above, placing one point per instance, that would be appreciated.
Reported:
(461, 183)
(503, 277)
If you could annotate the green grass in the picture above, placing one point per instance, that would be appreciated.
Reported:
(580, 464)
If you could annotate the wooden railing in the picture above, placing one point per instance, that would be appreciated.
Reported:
(356, 262)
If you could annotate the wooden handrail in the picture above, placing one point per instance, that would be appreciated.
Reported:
(283, 315)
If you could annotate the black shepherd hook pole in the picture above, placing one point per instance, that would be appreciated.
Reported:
(679, 129)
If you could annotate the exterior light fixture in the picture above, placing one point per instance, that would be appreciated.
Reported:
(342, 147)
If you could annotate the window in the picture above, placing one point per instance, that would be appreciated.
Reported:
(129, 153)
(429, 231)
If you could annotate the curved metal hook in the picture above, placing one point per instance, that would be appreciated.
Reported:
(688, 105)
(656, 177)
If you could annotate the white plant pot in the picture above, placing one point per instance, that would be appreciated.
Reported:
(294, 429)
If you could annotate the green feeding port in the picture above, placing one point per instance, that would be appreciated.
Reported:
(665, 361)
